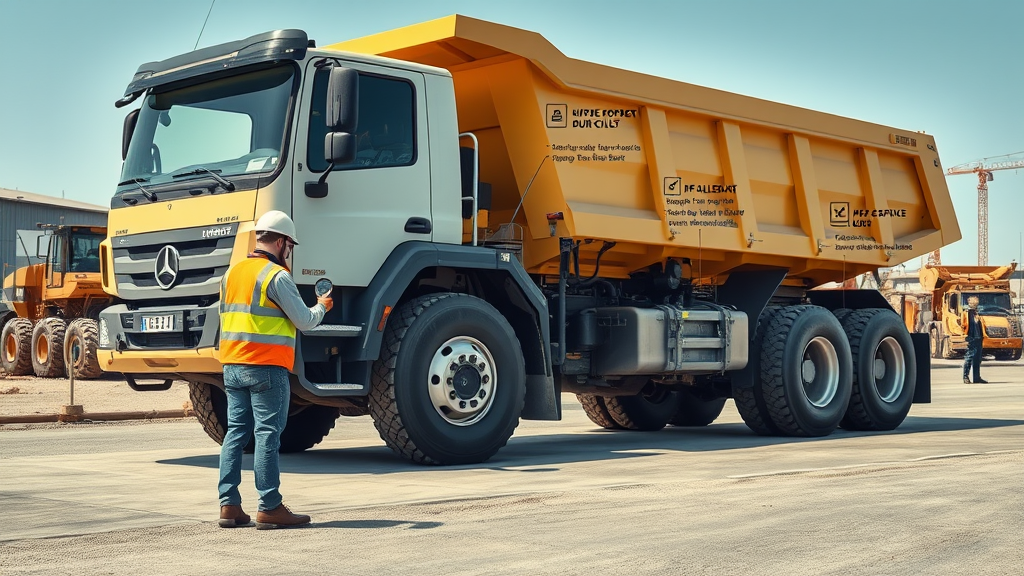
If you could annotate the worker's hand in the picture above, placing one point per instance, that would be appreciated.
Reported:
(327, 301)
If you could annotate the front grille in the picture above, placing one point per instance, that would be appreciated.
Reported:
(996, 331)
(203, 260)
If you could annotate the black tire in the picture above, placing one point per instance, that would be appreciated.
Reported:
(648, 411)
(48, 348)
(750, 400)
(16, 347)
(595, 409)
(806, 370)
(305, 427)
(415, 419)
(696, 408)
(884, 373)
(83, 334)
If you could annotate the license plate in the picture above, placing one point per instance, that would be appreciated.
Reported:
(158, 323)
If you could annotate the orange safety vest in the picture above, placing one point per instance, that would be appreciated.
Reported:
(253, 330)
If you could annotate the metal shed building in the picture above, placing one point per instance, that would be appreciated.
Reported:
(23, 210)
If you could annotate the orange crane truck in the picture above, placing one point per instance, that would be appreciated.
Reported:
(947, 290)
(502, 224)
(53, 306)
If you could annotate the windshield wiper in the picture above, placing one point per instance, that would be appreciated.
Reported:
(137, 181)
(200, 170)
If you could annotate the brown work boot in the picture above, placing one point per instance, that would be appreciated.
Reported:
(233, 517)
(280, 517)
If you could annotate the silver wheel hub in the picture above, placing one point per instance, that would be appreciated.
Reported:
(819, 371)
(462, 380)
(890, 369)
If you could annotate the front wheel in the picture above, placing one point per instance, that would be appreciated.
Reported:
(82, 341)
(450, 383)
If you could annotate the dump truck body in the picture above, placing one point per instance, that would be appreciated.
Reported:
(948, 290)
(503, 223)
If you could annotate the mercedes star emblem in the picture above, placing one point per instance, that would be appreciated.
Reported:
(166, 269)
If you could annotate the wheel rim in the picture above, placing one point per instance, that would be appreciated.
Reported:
(42, 349)
(819, 371)
(462, 380)
(10, 349)
(890, 369)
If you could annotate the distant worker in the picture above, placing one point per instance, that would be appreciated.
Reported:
(972, 326)
(260, 310)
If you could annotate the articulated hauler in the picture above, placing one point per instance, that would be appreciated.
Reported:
(502, 224)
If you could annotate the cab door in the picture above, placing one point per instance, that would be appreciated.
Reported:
(374, 203)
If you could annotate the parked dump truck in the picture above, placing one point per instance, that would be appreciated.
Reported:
(503, 223)
(939, 310)
(52, 306)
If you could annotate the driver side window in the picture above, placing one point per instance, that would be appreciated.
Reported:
(385, 132)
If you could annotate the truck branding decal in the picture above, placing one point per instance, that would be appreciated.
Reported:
(903, 140)
(217, 232)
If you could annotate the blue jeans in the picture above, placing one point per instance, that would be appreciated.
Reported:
(257, 402)
(972, 359)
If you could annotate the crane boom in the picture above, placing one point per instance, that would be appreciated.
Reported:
(984, 168)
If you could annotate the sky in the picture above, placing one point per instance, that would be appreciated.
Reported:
(953, 69)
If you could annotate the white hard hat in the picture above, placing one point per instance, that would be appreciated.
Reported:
(277, 221)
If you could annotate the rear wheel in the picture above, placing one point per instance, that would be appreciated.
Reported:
(16, 342)
(935, 343)
(885, 370)
(696, 408)
(947, 349)
(806, 371)
(650, 410)
(82, 340)
(450, 384)
(597, 411)
(48, 348)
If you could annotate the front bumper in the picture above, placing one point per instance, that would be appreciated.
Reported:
(191, 347)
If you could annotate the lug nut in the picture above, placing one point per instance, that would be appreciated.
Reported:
(462, 358)
(472, 403)
(482, 366)
(450, 382)
(486, 379)
(452, 394)
(462, 404)
(472, 358)
(482, 394)
(453, 367)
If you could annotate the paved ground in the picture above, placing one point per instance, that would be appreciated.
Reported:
(941, 495)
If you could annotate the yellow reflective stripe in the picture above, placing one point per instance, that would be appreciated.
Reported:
(254, 324)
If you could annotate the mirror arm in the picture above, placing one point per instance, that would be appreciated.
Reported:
(327, 172)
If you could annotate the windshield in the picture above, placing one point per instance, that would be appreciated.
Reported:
(231, 126)
(84, 252)
(990, 300)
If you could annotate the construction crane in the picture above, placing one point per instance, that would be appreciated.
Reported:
(984, 169)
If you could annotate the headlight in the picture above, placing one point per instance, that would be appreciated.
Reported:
(104, 334)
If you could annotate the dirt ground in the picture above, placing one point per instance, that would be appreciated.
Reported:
(21, 395)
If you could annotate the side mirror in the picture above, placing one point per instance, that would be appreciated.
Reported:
(126, 133)
(41, 248)
(342, 100)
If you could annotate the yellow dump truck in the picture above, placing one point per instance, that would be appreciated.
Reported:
(940, 310)
(503, 223)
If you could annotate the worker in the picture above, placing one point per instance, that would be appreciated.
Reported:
(972, 327)
(260, 310)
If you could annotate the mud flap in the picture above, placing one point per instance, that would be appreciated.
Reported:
(922, 353)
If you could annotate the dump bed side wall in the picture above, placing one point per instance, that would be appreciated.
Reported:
(668, 169)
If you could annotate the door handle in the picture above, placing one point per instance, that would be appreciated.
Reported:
(417, 225)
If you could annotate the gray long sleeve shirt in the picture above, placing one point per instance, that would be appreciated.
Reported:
(285, 294)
